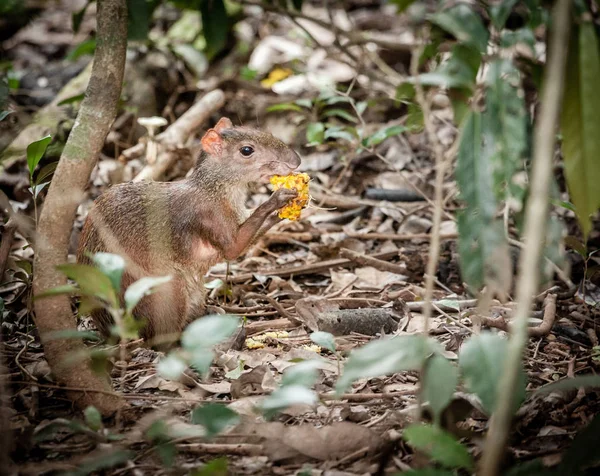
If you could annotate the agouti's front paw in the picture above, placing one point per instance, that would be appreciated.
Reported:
(282, 196)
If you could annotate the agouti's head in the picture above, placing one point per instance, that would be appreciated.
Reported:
(254, 155)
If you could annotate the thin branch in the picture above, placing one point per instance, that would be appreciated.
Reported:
(535, 229)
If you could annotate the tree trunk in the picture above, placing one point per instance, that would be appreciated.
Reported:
(96, 115)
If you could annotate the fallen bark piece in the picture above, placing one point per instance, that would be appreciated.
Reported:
(323, 315)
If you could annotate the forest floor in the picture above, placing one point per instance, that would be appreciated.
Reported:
(375, 203)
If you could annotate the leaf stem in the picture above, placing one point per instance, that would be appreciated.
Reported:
(536, 217)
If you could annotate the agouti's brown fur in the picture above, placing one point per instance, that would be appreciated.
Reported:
(183, 228)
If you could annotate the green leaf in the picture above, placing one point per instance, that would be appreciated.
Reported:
(216, 467)
(340, 113)
(171, 367)
(77, 17)
(302, 374)
(439, 383)
(37, 189)
(426, 472)
(284, 107)
(201, 359)
(112, 266)
(580, 123)
(315, 133)
(464, 24)
(504, 124)
(524, 36)
(402, 4)
(73, 334)
(139, 17)
(458, 71)
(210, 330)
(500, 11)
(4, 114)
(93, 418)
(585, 381)
(214, 418)
(324, 339)
(91, 281)
(72, 99)
(287, 396)
(216, 25)
(35, 152)
(103, 461)
(439, 445)
(142, 287)
(482, 244)
(167, 452)
(45, 172)
(335, 132)
(383, 134)
(583, 451)
(383, 357)
(481, 362)
(302, 102)
(84, 48)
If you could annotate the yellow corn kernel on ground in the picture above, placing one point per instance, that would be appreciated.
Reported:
(300, 183)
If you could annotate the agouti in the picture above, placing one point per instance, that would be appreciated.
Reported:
(183, 228)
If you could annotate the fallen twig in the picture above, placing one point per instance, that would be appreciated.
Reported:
(376, 263)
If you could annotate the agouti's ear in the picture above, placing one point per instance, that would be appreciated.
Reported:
(224, 123)
(212, 142)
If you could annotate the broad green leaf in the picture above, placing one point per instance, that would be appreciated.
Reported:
(500, 12)
(142, 287)
(324, 339)
(171, 367)
(426, 472)
(336, 132)
(580, 123)
(315, 133)
(86, 47)
(91, 281)
(139, 17)
(167, 452)
(302, 374)
(385, 357)
(210, 330)
(482, 245)
(58, 291)
(402, 4)
(37, 189)
(464, 24)
(214, 418)
(201, 359)
(4, 114)
(103, 461)
(73, 334)
(458, 71)
(585, 381)
(45, 172)
(340, 113)
(481, 362)
(77, 17)
(504, 125)
(35, 152)
(216, 25)
(214, 284)
(216, 467)
(284, 107)
(93, 418)
(439, 383)
(583, 452)
(306, 103)
(287, 396)
(439, 445)
(524, 36)
(383, 134)
(72, 99)
(112, 266)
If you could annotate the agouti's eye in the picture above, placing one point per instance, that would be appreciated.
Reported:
(246, 151)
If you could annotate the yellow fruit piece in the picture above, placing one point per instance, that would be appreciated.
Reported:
(300, 183)
(275, 76)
